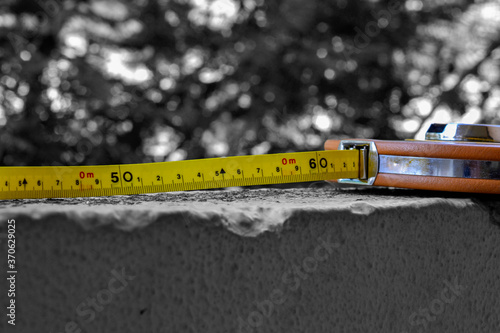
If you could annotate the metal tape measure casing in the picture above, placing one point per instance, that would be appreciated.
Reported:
(454, 157)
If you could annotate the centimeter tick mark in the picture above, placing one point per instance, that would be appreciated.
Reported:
(317, 160)
(120, 170)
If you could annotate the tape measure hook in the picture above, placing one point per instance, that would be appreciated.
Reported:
(368, 161)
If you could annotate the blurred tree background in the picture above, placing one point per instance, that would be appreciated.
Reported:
(129, 81)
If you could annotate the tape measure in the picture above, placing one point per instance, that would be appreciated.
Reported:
(107, 180)
(454, 157)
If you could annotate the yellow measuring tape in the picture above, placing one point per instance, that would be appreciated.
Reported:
(106, 180)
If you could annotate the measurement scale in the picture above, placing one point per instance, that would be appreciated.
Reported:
(106, 180)
(454, 157)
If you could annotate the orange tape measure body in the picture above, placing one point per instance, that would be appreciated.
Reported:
(454, 152)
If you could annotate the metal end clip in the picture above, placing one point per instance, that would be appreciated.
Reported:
(464, 132)
(368, 161)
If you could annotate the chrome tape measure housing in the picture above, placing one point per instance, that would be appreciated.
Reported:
(439, 167)
(416, 165)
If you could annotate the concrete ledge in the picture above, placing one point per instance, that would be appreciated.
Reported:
(297, 260)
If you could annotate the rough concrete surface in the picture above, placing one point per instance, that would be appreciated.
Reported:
(294, 260)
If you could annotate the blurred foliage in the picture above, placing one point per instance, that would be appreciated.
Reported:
(127, 81)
